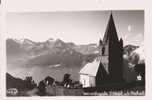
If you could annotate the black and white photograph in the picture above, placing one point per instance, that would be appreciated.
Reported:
(75, 53)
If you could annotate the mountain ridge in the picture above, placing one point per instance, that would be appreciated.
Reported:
(50, 54)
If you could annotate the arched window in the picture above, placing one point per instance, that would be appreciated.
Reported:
(103, 50)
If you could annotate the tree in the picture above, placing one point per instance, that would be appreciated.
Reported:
(42, 88)
(29, 82)
(66, 80)
(49, 80)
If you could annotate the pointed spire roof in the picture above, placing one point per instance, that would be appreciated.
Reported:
(110, 30)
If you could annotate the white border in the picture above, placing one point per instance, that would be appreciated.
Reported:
(77, 5)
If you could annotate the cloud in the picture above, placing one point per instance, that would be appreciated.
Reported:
(129, 28)
(132, 38)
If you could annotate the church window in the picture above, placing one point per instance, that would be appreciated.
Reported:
(103, 50)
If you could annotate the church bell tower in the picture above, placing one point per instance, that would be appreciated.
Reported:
(111, 52)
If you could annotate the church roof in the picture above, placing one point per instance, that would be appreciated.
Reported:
(90, 68)
(110, 30)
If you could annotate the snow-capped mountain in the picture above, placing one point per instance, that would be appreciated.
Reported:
(50, 52)
(52, 55)
(87, 49)
(55, 54)
(129, 48)
(24, 41)
(140, 53)
(134, 54)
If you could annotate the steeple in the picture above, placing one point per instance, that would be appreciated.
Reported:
(110, 30)
(111, 51)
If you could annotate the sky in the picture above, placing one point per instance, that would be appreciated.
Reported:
(80, 27)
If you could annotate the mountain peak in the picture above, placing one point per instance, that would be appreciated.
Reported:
(59, 40)
(27, 41)
(50, 40)
(22, 41)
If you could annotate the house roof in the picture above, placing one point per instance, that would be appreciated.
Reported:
(90, 68)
